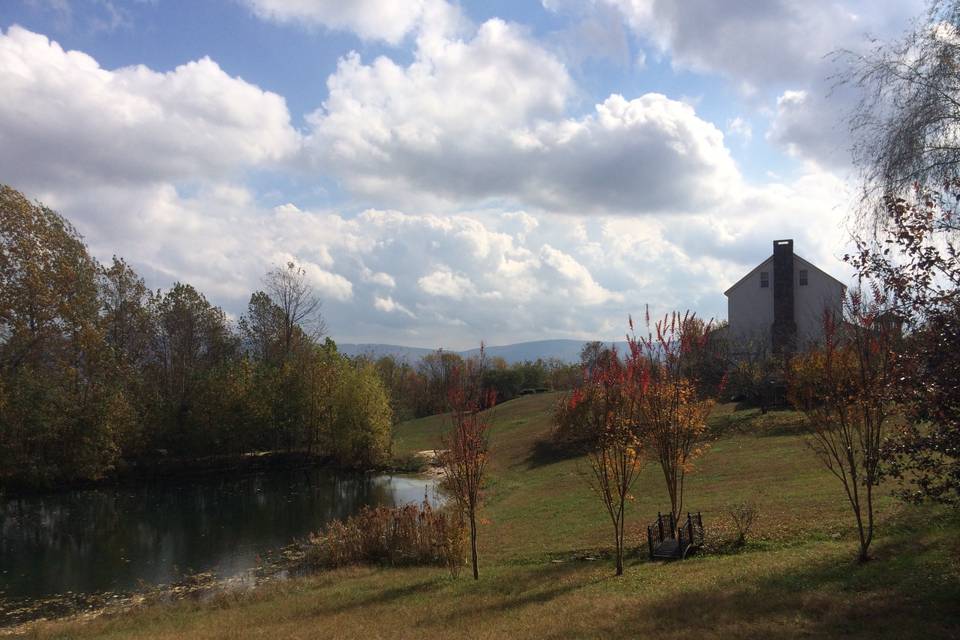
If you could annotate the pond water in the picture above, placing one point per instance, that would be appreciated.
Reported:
(115, 539)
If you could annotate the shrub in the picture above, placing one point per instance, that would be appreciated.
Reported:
(742, 514)
(757, 382)
(408, 535)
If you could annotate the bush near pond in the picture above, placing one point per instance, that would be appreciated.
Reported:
(408, 535)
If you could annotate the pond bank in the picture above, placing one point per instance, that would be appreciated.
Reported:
(18, 616)
(175, 470)
(70, 546)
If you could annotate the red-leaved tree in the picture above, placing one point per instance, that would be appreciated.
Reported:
(467, 446)
(601, 416)
(671, 414)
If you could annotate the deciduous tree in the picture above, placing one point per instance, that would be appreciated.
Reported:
(64, 413)
(846, 389)
(359, 433)
(603, 413)
(672, 413)
(298, 303)
(263, 329)
(192, 339)
(907, 150)
(466, 446)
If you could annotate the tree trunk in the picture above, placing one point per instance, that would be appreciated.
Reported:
(618, 529)
(860, 532)
(473, 544)
(866, 537)
(619, 552)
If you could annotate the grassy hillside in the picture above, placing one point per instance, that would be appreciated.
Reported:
(544, 574)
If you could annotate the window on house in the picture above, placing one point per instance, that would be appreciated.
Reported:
(803, 277)
(764, 279)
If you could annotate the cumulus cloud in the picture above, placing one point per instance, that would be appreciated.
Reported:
(453, 280)
(765, 46)
(576, 280)
(63, 118)
(809, 124)
(761, 43)
(447, 284)
(327, 284)
(484, 119)
(386, 20)
(150, 166)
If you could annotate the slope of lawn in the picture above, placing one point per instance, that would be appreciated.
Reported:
(544, 572)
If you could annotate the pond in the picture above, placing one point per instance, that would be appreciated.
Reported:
(121, 538)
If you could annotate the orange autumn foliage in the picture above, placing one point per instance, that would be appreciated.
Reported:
(671, 414)
(602, 416)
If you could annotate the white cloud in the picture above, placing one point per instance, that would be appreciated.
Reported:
(63, 118)
(809, 124)
(150, 166)
(445, 283)
(388, 305)
(329, 284)
(380, 278)
(458, 279)
(388, 20)
(521, 222)
(325, 283)
(765, 42)
(574, 280)
(761, 47)
(484, 119)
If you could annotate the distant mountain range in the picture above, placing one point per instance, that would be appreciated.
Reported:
(564, 350)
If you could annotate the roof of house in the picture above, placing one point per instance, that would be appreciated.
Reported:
(796, 257)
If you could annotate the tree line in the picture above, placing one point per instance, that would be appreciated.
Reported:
(423, 388)
(98, 372)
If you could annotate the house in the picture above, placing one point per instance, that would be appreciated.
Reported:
(780, 304)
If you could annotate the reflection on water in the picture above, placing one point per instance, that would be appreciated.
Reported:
(116, 538)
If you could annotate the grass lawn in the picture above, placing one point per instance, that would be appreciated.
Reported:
(544, 572)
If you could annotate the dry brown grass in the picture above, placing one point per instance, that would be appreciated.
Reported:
(406, 535)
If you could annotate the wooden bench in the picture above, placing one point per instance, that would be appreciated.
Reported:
(667, 541)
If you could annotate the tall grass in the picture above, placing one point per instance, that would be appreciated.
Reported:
(408, 535)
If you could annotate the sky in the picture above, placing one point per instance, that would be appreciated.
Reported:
(444, 172)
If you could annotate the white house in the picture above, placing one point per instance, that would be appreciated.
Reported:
(780, 304)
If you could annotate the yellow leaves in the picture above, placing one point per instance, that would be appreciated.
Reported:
(687, 463)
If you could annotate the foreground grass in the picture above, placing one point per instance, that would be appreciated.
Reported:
(544, 574)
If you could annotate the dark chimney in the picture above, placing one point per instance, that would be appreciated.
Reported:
(784, 329)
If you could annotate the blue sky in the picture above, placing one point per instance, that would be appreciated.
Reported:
(446, 173)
